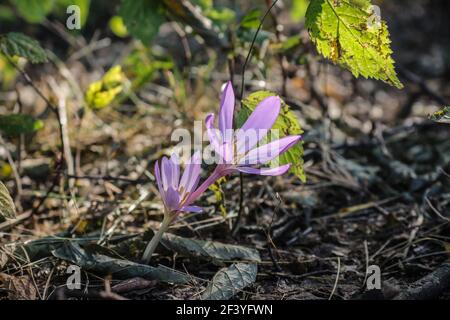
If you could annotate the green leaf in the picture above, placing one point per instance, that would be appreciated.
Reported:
(209, 249)
(17, 124)
(18, 44)
(299, 8)
(84, 6)
(227, 282)
(142, 18)
(94, 261)
(442, 115)
(7, 208)
(251, 20)
(33, 11)
(286, 125)
(350, 33)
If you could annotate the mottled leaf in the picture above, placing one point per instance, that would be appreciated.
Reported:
(351, 34)
(99, 263)
(227, 282)
(209, 249)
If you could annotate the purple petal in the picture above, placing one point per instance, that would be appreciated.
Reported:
(175, 164)
(158, 180)
(261, 120)
(227, 152)
(269, 151)
(278, 171)
(246, 140)
(166, 173)
(226, 109)
(212, 133)
(172, 199)
(191, 174)
(193, 209)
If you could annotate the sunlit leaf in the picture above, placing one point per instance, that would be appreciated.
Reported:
(351, 34)
(299, 8)
(286, 124)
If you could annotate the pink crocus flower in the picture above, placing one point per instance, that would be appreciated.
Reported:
(238, 149)
(238, 152)
(175, 193)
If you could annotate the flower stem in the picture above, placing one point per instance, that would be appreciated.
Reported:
(156, 239)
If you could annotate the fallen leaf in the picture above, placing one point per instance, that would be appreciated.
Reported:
(209, 249)
(118, 268)
(227, 282)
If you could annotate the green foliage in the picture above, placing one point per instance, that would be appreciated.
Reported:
(18, 44)
(252, 19)
(141, 65)
(442, 115)
(299, 8)
(346, 31)
(7, 73)
(83, 4)
(34, 11)
(7, 208)
(103, 92)
(16, 124)
(142, 18)
(6, 13)
(286, 124)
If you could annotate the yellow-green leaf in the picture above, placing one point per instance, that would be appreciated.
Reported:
(286, 125)
(351, 34)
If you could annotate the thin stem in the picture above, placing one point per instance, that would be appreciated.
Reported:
(236, 225)
(156, 239)
(218, 172)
